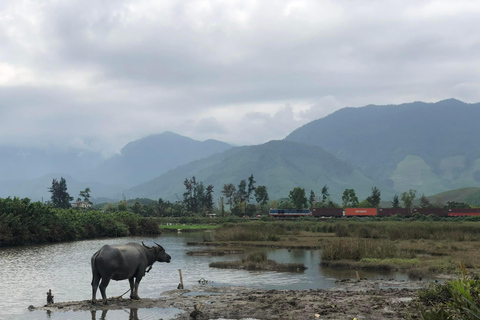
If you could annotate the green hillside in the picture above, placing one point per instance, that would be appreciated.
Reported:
(470, 196)
(429, 147)
(279, 165)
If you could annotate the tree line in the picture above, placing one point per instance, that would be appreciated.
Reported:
(26, 222)
(238, 200)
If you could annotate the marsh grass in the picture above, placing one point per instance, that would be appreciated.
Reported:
(420, 248)
(357, 249)
(253, 232)
(258, 261)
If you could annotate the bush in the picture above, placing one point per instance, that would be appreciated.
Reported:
(457, 299)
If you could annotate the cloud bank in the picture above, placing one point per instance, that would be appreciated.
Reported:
(95, 75)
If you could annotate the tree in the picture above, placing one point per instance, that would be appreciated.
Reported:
(242, 194)
(85, 194)
(137, 208)
(222, 207)
(456, 205)
(298, 198)
(208, 199)
(229, 191)
(311, 200)
(374, 199)
(162, 207)
(365, 204)
(424, 202)
(60, 197)
(122, 206)
(349, 199)
(408, 197)
(190, 198)
(261, 195)
(395, 202)
(325, 194)
(251, 187)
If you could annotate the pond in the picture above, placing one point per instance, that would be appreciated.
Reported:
(29, 272)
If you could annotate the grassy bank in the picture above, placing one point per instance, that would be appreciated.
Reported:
(187, 227)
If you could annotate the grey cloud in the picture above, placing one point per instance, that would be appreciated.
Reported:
(126, 69)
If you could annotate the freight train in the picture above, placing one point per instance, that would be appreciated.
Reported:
(371, 212)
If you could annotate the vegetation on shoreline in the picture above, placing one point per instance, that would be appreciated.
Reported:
(192, 227)
(258, 261)
(456, 299)
(24, 222)
(417, 247)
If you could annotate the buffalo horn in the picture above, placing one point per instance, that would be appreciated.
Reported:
(145, 245)
(158, 245)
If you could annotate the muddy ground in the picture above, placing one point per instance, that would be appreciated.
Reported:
(373, 300)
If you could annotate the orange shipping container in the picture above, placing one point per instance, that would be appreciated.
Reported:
(360, 211)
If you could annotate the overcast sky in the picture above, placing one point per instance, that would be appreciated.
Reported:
(98, 74)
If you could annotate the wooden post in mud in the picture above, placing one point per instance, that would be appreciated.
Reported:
(180, 286)
(358, 276)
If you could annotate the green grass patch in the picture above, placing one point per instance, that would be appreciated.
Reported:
(188, 227)
(259, 261)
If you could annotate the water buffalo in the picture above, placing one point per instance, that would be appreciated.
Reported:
(129, 261)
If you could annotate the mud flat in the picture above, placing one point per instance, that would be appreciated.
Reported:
(373, 300)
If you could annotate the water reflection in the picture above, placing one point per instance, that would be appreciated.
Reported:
(28, 272)
(133, 314)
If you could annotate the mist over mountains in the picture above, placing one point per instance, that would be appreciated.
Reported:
(429, 147)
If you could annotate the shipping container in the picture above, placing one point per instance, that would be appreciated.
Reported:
(327, 212)
(386, 212)
(360, 212)
(459, 212)
(289, 212)
(439, 212)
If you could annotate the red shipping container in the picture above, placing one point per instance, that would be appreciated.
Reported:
(462, 214)
(360, 211)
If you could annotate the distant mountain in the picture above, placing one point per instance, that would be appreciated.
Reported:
(28, 172)
(279, 165)
(430, 147)
(37, 189)
(147, 158)
(31, 163)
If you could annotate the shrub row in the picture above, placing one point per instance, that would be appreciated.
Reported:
(25, 222)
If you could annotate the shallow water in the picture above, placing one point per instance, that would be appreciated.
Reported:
(29, 272)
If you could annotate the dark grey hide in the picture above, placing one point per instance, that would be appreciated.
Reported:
(129, 261)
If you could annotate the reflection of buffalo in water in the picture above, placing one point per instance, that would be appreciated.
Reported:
(128, 261)
(133, 314)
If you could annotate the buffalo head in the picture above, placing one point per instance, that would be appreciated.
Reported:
(160, 254)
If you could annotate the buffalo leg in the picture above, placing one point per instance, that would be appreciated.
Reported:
(132, 288)
(95, 281)
(103, 287)
(137, 282)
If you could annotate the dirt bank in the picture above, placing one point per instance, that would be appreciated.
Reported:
(373, 300)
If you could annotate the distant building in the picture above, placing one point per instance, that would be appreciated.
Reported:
(79, 204)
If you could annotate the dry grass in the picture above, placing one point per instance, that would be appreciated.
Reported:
(258, 261)
(417, 247)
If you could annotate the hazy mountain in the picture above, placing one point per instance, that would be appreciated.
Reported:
(30, 163)
(37, 189)
(279, 165)
(430, 147)
(144, 159)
